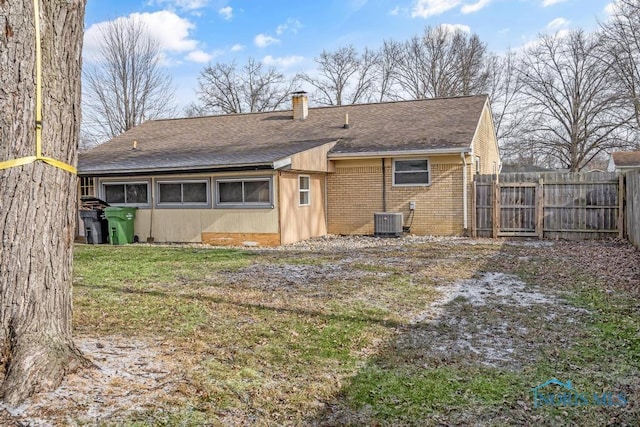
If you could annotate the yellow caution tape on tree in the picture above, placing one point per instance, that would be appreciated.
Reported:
(38, 157)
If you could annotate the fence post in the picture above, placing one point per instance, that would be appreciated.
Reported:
(540, 208)
(496, 207)
(621, 193)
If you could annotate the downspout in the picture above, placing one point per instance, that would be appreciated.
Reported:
(464, 193)
(278, 187)
(384, 186)
(326, 203)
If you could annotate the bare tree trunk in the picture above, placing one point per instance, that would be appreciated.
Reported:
(37, 200)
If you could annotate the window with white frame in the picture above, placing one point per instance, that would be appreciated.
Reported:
(414, 172)
(244, 192)
(304, 190)
(183, 193)
(126, 193)
(478, 165)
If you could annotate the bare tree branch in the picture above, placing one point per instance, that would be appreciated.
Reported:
(574, 110)
(126, 84)
(621, 37)
(223, 88)
(345, 77)
(441, 63)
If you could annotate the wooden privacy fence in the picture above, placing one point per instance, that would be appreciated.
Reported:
(558, 205)
(632, 209)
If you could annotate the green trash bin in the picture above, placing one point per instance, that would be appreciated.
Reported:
(120, 224)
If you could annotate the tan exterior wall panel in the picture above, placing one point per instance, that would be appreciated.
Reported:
(313, 160)
(301, 222)
(188, 225)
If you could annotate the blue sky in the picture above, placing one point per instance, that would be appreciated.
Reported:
(289, 34)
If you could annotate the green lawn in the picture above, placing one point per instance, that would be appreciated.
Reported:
(336, 337)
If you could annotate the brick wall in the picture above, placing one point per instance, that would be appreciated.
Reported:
(355, 194)
(485, 144)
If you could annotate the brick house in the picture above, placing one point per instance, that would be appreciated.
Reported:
(280, 177)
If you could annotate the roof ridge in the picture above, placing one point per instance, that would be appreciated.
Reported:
(321, 107)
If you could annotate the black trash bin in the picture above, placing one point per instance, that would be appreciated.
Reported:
(96, 226)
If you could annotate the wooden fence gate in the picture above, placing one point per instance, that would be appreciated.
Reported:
(549, 205)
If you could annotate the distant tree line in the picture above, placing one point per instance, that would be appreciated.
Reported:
(562, 101)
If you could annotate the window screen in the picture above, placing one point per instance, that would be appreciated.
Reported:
(244, 192)
(183, 193)
(126, 193)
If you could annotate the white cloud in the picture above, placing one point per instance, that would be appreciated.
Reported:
(282, 62)
(610, 8)
(181, 4)
(456, 27)
(293, 25)
(557, 24)
(226, 13)
(533, 44)
(561, 34)
(395, 11)
(547, 3)
(199, 56)
(427, 8)
(474, 7)
(171, 31)
(263, 40)
(237, 47)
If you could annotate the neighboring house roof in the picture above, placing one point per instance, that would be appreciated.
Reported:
(244, 140)
(625, 159)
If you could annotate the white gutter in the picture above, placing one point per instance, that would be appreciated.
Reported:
(464, 192)
(378, 154)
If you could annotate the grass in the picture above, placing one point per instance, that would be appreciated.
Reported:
(259, 347)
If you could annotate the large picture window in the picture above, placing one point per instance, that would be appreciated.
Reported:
(183, 193)
(247, 192)
(414, 172)
(126, 193)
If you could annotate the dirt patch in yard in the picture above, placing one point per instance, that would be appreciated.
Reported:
(493, 319)
(481, 321)
(130, 375)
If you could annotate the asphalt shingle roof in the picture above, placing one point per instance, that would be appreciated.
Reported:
(626, 158)
(262, 138)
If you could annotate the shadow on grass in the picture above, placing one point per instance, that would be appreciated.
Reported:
(360, 317)
(476, 364)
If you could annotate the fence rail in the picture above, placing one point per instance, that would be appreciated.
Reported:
(549, 205)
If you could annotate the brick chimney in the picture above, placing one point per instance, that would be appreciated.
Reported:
(300, 105)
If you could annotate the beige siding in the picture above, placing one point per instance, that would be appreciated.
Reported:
(355, 194)
(301, 222)
(189, 224)
(314, 160)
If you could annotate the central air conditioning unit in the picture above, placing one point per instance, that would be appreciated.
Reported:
(387, 224)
